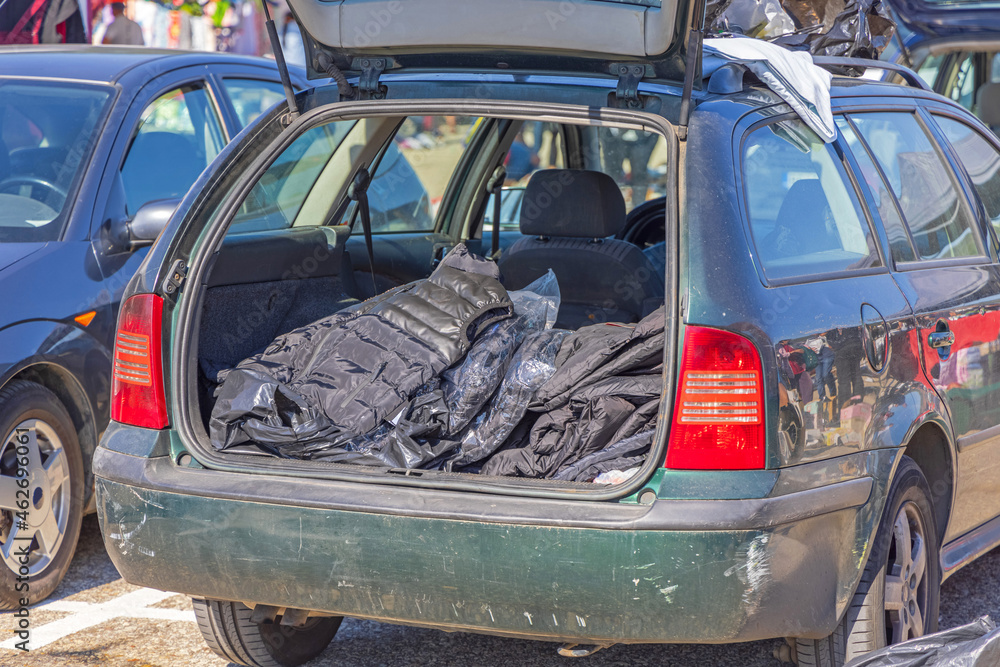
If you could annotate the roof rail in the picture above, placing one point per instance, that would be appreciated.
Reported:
(907, 73)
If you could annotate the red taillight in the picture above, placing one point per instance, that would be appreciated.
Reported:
(137, 396)
(719, 414)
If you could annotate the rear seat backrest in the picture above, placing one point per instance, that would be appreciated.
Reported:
(567, 217)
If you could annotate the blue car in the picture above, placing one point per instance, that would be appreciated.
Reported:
(97, 145)
(955, 48)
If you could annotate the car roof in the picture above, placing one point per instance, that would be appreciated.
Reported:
(103, 63)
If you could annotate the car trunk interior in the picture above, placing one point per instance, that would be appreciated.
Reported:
(581, 205)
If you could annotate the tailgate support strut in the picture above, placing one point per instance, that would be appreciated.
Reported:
(692, 66)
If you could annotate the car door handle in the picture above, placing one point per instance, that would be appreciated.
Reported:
(941, 339)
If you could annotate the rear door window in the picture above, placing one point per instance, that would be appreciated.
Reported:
(411, 161)
(899, 239)
(939, 220)
(276, 199)
(805, 214)
(981, 161)
(252, 97)
(179, 133)
(414, 170)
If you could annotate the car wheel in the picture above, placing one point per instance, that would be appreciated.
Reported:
(41, 493)
(229, 631)
(897, 598)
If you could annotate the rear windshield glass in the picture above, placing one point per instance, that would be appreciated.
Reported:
(47, 131)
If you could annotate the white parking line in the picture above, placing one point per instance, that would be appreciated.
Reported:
(87, 614)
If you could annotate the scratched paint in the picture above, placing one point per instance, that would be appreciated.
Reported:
(754, 569)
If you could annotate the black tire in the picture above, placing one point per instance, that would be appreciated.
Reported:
(868, 624)
(21, 402)
(228, 630)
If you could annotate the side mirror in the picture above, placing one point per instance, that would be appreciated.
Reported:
(143, 228)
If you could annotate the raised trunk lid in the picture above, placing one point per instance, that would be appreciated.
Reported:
(561, 35)
(948, 18)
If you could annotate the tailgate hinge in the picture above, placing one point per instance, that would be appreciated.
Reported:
(369, 87)
(627, 92)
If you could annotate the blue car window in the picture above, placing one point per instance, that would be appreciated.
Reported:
(252, 97)
(981, 161)
(940, 223)
(179, 134)
(963, 85)
(47, 132)
(805, 215)
(928, 70)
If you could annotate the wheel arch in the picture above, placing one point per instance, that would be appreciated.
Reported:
(930, 448)
(73, 397)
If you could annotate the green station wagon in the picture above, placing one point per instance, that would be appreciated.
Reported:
(796, 339)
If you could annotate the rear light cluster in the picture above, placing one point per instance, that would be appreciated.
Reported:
(137, 395)
(718, 419)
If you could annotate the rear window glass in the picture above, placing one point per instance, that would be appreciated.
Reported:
(940, 223)
(805, 216)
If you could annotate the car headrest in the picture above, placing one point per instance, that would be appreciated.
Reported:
(572, 202)
(988, 103)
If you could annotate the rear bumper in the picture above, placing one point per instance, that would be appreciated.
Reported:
(673, 571)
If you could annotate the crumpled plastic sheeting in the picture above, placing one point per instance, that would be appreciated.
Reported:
(435, 424)
(976, 644)
(532, 366)
(616, 476)
(762, 19)
(862, 29)
(848, 28)
(468, 385)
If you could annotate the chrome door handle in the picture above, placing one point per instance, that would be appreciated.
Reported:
(941, 339)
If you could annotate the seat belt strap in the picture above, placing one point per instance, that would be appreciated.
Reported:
(358, 191)
(495, 186)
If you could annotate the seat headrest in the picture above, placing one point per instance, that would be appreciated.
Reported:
(988, 103)
(572, 202)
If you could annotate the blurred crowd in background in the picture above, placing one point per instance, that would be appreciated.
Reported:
(235, 26)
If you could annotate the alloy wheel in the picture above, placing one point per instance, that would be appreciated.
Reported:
(36, 515)
(906, 589)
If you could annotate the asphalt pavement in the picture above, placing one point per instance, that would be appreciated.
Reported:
(95, 618)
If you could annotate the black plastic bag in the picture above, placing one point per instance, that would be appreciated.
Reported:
(976, 644)
(843, 28)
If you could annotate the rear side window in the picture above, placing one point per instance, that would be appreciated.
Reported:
(252, 97)
(805, 216)
(981, 161)
(939, 221)
(278, 196)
